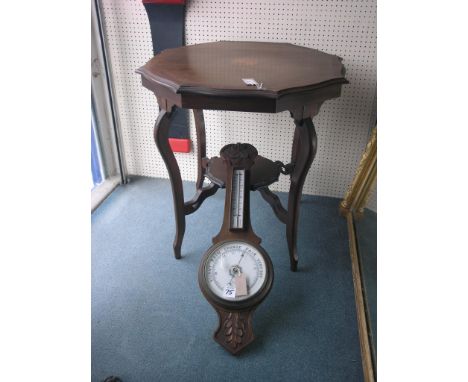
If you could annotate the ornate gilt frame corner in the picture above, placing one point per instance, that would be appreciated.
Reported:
(364, 180)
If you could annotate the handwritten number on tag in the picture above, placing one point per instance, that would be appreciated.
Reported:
(229, 291)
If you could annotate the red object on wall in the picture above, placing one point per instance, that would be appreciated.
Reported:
(180, 145)
(163, 1)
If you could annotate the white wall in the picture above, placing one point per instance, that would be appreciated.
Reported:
(345, 28)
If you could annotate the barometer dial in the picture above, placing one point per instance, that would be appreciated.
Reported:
(235, 271)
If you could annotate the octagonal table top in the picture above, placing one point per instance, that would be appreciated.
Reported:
(210, 75)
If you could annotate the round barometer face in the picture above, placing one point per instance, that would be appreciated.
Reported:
(235, 271)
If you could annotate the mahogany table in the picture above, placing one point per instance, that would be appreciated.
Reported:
(210, 76)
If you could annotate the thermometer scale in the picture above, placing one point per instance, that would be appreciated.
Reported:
(237, 202)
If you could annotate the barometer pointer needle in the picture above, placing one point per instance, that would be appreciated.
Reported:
(242, 256)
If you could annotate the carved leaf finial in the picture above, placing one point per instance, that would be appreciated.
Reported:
(239, 154)
(234, 329)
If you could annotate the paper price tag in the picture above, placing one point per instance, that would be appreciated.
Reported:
(253, 82)
(241, 285)
(250, 81)
(229, 291)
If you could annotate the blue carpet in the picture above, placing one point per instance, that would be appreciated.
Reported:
(150, 321)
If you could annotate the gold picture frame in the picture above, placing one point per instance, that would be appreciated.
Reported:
(364, 180)
(352, 207)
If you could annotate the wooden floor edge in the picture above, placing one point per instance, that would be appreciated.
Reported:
(360, 310)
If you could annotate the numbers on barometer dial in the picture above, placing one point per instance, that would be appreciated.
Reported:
(235, 271)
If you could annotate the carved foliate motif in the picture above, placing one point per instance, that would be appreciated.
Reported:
(239, 154)
(234, 329)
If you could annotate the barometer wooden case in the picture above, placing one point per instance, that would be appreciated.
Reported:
(236, 273)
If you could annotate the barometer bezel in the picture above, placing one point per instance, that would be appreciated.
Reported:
(247, 303)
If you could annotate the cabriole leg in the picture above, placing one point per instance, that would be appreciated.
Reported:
(201, 193)
(303, 153)
(161, 137)
(201, 145)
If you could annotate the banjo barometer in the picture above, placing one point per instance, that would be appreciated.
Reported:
(236, 273)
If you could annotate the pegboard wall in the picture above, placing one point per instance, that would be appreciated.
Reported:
(344, 28)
